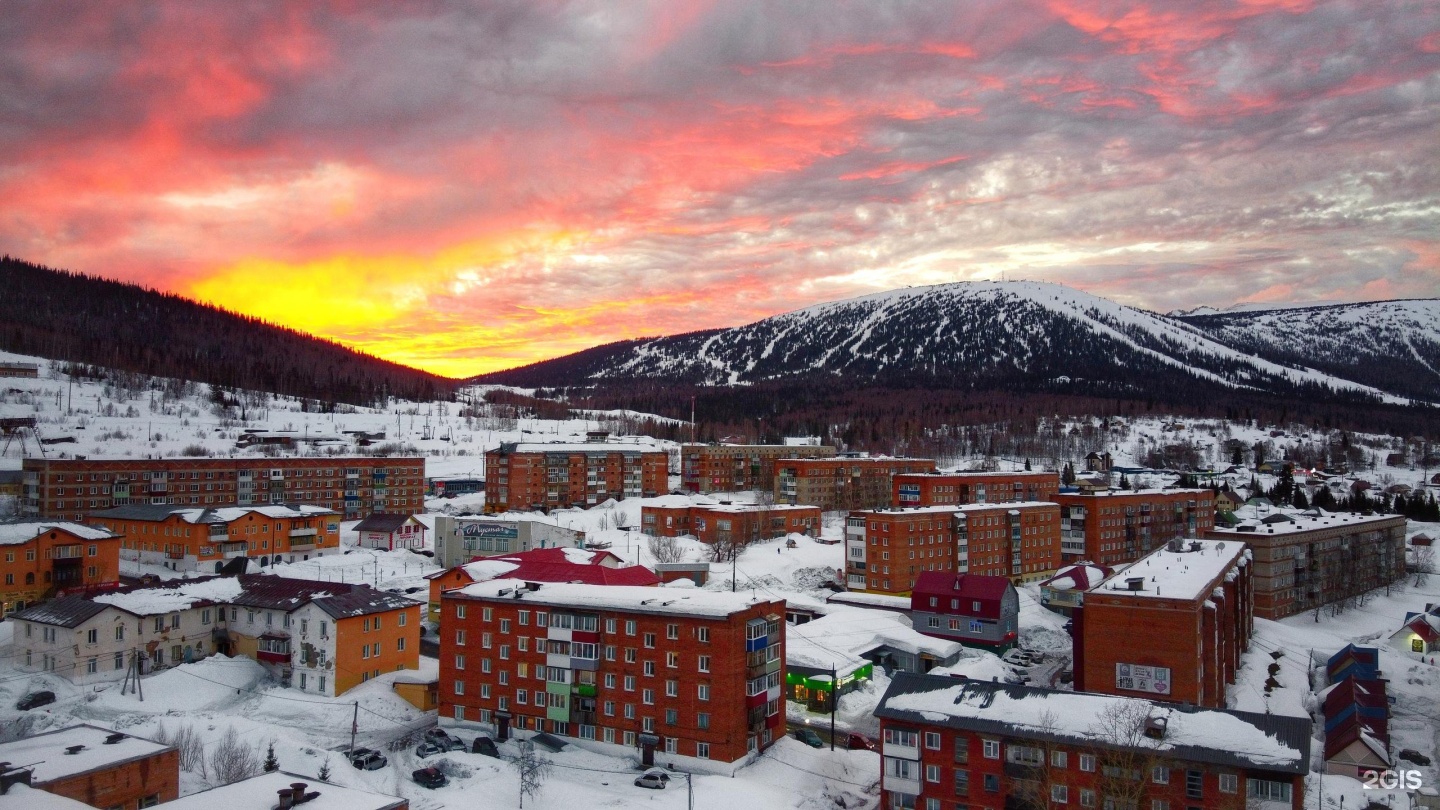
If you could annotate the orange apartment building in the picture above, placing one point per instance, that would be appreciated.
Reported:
(1170, 627)
(886, 550)
(42, 559)
(726, 523)
(522, 476)
(97, 766)
(940, 488)
(1121, 526)
(73, 489)
(737, 467)
(846, 482)
(190, 539)
(687, 673)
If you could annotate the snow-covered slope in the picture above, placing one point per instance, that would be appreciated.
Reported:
(1008, 335)
(1392, 345)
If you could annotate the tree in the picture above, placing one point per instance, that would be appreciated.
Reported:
(1124, 481)
(1125, 756)
(271, 763)
(324, 773)
(532, 768)
(1237, 457)
(233, 760)
(665, 549)
(1027, 465)
(1067, 475)
(1424, 563)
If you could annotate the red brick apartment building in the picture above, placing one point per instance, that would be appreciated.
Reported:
(743, 523)
(97, 766)
(738, 467)
(1170, 627)
(848, 482)
(887, 549)
(948, 744)
(1121, 526)
(521, 476)
(1305, 560)
(690, 673)
(41, 559)
(73, 489)
(937, 489)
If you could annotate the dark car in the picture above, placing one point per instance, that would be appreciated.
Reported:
(484, 745)
(1411, 755)
(429, 778)
(859, 742)
(367, 759)
(447, 741)
(35, 700)
(809, 737)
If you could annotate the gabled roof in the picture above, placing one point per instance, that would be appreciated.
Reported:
(1425, 626)
(1080, 576)
(385, 522)
(14, 532)
(67, 611)
(1341, 737)
(362, 602)
(988, 590)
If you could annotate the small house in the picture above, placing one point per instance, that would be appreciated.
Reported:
(386, 530)
(976, 610)
(1421, 632)
(419, 690)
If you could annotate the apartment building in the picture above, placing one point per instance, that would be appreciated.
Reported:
(846, 482)
(947, 743)
(940, 488)
(737, 467)
(98, 766)
(690, 673)
(1121, 526)
(541, 565)
(730, 522)
(322, 637)
(73, 489)
(521, 476)
(205, 539)
(1170, 627)
(1306, 560)
(42, 559)
(887, 549)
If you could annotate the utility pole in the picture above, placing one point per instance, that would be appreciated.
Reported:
(734, 565)
(354, 726)
(689, 792)
(834, 699)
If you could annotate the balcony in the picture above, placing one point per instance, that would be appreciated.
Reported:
(71, 552)
(233, 550)
(176, 555)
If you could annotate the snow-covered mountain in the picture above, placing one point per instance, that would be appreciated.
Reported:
(1390, 345)
(1018, 336)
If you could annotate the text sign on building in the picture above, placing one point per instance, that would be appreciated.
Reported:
(1133, 677)
(909, 493)
(495, 531)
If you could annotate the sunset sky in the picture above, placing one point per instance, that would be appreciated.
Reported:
(471, 186)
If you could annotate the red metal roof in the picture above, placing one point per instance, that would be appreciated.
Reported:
(988, 590)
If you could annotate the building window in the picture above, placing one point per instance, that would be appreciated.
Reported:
(629, 627)
(1058, 759)
(702, 750)
(1160, 775)
(1267, 790)
(649, 640)
(92, 636)
(1087, 763)
(1087, 797)
(460, 611)
(704, 635)
(647, 696)
(1195, 784)
(932, 773)
(1229, 783)
(672, 660)
(672, 717)
(1159, 804)
(704, 691)
(459, 662)
(1060, 794)
(990, 749)
(932, 740)
(672, 631)
(702, 720)
(992, 783)
(459, 687)
(704, 663)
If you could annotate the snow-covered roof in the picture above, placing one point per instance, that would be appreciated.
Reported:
(1219, 736)
(632, 598)
(259, 793)
(879, 600)
(168, 599)
(983, 474)
(1302, 521)
(223, 514)
(845, 635)
(67, 611)
(24, 797)
(1080, 576)
(747, 508)
(48, 751)
(902, 511)
(579, 447)
(23, 531)
(1189, 573)
(1116, 493)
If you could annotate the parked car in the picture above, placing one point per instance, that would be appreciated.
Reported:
(653, 780)
(35, 700)
(446, 741)
(428, 749)
(1018, 658)
(429, 778)
(809, 737)
(1411, 755)
(367, 759)
(859, 742)
(485, 745)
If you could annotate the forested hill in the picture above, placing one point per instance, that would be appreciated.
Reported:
(74, 317)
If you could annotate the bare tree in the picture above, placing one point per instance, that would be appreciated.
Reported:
(665, 549)
(233, 760)
(725, 549)
(1126, 758)
(1039, 772)
(1424, 563)
(532, 768)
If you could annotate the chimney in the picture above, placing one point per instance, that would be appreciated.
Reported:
(114, 738)
(74, 749)
(286, 799)
(298, 796)
(1134, 583)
